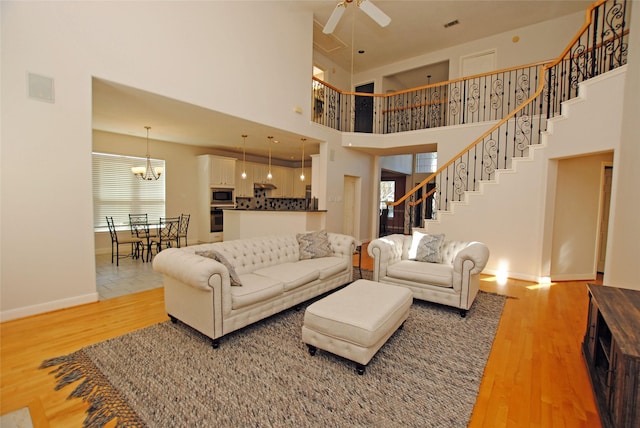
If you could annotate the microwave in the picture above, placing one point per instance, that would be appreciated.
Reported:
(222, 196)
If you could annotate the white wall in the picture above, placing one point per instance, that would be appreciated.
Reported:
(214, 54)
(623, 245)
(539, 42)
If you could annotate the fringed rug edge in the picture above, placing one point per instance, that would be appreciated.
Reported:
(105, 402)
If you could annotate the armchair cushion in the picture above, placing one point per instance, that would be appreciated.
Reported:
(427, 247)
(419, 272)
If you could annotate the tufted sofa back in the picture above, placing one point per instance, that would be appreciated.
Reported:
(448, 250)
(250, 254)
(247, 255)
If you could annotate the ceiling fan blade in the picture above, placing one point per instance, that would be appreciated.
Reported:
(334, 18)
(374, 13)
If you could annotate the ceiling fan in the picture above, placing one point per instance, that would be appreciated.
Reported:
(367, 7)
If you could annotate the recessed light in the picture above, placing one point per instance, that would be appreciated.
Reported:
(361, 51)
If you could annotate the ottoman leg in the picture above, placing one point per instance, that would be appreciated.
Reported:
(360, 368)
(312, 349)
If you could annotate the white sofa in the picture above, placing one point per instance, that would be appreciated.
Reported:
(453, 280)
(199, 291)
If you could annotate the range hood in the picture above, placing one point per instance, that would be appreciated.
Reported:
(264, 186)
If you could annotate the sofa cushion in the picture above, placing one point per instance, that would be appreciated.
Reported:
(213, 254)
(314, 245)
(292, 275)
(421, 272)
(326, 266)
(255, 288)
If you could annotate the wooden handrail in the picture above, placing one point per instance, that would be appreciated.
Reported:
(433, 85)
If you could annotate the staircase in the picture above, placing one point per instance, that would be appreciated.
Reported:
(514, 212)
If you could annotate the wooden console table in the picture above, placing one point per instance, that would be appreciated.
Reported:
(611, 349)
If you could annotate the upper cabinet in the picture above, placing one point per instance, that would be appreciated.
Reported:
(299, 186)
(244, 186)
(223, 171)
(286, 180)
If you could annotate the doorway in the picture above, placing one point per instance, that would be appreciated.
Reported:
(364, 109)
(351, 212)
(603, 223)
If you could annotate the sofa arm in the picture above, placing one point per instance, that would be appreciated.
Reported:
(385, 251)
(190, 268)
(342, 245)
(477, 253)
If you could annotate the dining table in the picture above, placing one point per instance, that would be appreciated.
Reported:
(161, 233)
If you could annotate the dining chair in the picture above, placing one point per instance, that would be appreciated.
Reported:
(135, 243)
(166, 234)
(183, 227)
(139, 224)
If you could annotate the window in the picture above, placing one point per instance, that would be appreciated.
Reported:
(387, 193)
(426, 162)
(118, 193)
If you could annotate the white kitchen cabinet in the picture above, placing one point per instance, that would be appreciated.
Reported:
(280, 180)
(213, 171)
(223, 171)
(244, 187)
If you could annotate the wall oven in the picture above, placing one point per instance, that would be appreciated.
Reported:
(216, 219)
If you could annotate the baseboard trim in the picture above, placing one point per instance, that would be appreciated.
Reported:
(55, 305)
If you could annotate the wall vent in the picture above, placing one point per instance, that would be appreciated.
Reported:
(40, 87)
(325, 42)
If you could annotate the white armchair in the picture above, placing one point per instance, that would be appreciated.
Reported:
(453, 279)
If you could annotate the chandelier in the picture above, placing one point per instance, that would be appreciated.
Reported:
(147, 172)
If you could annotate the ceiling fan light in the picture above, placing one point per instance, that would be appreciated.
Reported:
(334, 18)
(374, 12)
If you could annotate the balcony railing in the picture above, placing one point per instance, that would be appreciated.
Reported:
(473, 99)
(522, 99)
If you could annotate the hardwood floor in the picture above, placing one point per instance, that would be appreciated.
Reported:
(535, 376)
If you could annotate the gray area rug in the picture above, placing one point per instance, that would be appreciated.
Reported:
(168, 375)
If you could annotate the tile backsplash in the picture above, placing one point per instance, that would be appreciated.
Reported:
(260, 201)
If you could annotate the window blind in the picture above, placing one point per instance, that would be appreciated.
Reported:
(118, 193)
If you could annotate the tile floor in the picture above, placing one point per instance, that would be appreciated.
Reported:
(130, 277)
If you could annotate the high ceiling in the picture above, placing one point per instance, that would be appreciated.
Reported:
(417, 27)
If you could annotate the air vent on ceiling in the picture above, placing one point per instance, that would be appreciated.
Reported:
(452, 23)
(326, 42)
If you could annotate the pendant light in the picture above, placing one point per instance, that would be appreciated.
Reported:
(302, 169)
(269, 176)
(244, 156)
(147, 172)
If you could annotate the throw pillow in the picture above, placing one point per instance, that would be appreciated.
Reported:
(233, 275)
(429, 248)
(313, 245)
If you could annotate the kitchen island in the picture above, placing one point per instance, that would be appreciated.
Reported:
(247, 223)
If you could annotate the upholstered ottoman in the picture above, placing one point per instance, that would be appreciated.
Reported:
(357, 320)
